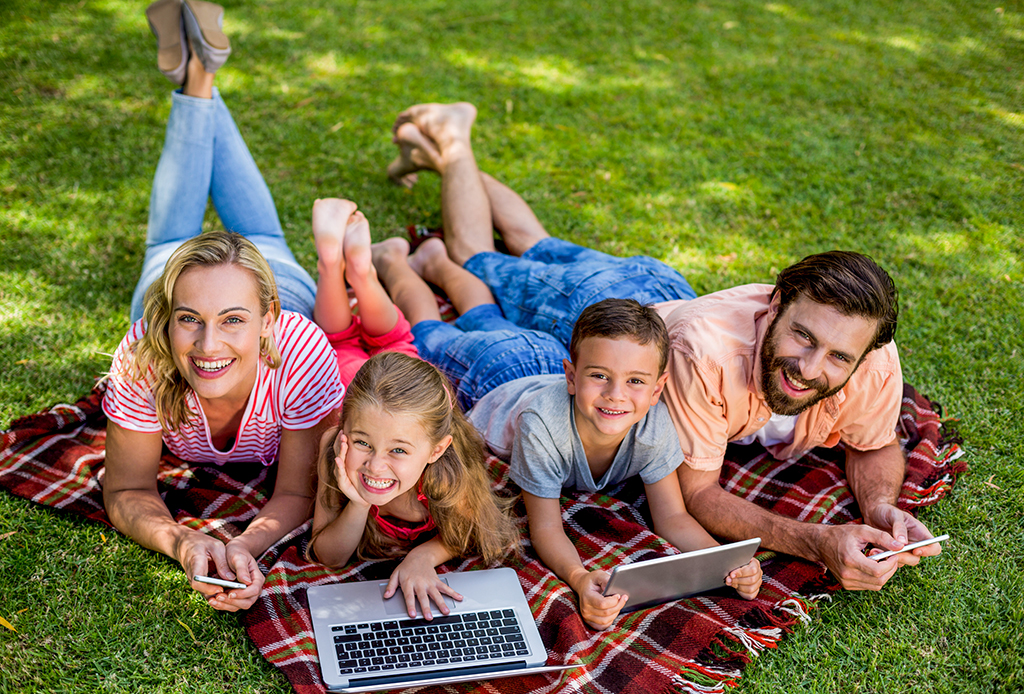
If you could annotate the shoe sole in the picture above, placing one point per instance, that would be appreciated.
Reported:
(203, 21)
(164, 17)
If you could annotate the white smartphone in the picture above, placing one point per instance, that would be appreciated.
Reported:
(912, 546)
(220, 582)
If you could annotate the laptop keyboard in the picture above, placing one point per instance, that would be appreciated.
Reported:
(405, 644)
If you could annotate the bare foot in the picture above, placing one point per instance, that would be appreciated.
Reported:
(416, 151)
(387, 253)
(330, 217)
(358, 261)
(442, 123)
(429, 254)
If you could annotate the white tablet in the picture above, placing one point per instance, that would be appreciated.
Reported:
(656, 581)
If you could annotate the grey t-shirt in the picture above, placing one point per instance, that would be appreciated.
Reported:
(530, 421)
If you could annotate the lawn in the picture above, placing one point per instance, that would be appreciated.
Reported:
(729, 139)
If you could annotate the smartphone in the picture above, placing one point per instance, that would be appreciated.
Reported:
(220, 582)
(913, 545)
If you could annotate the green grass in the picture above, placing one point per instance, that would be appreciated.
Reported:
(728, 138)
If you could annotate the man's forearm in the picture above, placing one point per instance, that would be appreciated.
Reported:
(727, 515)
(875, 477)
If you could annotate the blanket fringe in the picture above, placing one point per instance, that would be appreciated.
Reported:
(698, 678)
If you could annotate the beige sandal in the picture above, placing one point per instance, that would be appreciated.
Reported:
(165, 21)
(204, 23)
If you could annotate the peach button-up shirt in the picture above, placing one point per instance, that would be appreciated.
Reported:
(714, 387)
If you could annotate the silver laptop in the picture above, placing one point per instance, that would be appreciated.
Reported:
(656, 581)
(366, 643)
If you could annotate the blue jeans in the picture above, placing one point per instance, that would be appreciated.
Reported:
(482, 350)
(205, 156)
(550, 285)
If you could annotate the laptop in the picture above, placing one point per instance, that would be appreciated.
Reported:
(655, 581)
(366, 643)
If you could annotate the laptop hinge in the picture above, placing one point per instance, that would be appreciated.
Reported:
(421, 675)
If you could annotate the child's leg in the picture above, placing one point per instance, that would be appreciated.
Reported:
(464, 289)
(408, 290)
(330, 219)
(377, 313)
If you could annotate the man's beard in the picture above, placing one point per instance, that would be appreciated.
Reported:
(778, 401)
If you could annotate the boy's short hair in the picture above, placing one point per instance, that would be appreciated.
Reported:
(616, 318)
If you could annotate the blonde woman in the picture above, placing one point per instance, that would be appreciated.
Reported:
(222, 363)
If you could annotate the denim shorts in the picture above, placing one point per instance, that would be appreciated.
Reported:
(550, 285)
(483, 350)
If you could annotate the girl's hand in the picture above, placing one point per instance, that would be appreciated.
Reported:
(746, 579)
(345, 483)
(419, 582)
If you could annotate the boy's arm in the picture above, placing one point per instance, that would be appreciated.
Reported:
(558, 554)
(671, 519)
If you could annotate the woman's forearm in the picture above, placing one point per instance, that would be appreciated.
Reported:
(282, 514)
(142, 515)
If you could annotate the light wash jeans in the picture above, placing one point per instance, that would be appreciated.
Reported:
(205, 156)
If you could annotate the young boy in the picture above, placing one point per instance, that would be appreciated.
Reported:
(595, 427)
(583, 419)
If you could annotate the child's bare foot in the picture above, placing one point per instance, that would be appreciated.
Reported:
(429, 255)
(330, 218)
(416, 151)
(387, 253)
(443, 123)
(358, 260)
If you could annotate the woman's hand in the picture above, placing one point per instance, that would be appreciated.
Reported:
(419, 582)
(202, 555)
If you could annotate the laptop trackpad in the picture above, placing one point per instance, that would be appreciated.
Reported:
(395, 605)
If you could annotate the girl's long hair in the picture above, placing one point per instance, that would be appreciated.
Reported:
(470, 518)
(152, 352)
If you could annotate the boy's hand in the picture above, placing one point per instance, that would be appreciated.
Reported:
(597, 610)
(746, 579)
(419, 582)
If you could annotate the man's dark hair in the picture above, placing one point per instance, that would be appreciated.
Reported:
(851, 283)
(615, 318)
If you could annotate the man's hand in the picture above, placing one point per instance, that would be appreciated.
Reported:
(842, 547)
(905, 529)
(597, 610)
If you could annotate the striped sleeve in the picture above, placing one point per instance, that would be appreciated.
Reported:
(129, 403)
(309, 384)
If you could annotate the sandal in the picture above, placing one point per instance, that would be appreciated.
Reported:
(204, 22)
(165, 21)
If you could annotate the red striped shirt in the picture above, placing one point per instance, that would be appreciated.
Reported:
(296, 395)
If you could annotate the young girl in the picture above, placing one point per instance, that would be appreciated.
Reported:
(404, 475)
(342, 237)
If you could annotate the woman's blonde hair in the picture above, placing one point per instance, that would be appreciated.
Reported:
(470, 518)
(152, 352)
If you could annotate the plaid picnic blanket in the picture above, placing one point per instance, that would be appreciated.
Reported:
(700, 644)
